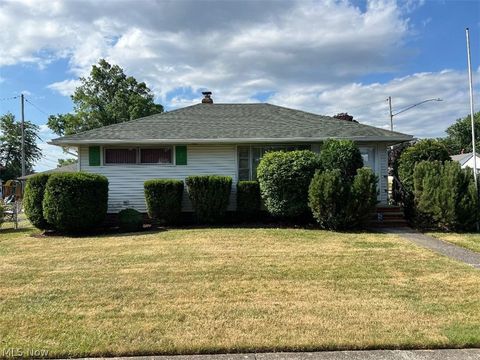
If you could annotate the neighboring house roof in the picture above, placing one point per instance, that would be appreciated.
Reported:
(61, 169)
(231, 123)
(463, 158)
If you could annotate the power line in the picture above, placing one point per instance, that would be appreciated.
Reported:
(36, 107)
(10, 98)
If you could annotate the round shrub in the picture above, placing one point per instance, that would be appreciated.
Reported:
(209, 196)
(284, 178)
(164, 199)
(130, 220)
(248, 199)
(343, 155)
(75, 202)
(428, 150)
(33, 199)
(340, 203)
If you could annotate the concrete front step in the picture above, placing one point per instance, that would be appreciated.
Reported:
(388, 216)
(389, 224)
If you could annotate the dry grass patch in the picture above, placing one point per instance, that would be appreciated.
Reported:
(229, 290)
(467, 240)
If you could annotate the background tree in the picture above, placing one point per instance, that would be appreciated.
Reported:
(459, 135)
(65, 162)
(344, 116)
(107, 96)
(10, 147)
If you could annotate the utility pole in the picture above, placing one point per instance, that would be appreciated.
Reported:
(406, 109)
(470, 84)
(391, 113)
(22, 100)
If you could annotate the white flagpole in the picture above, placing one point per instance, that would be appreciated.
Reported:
(470, 83)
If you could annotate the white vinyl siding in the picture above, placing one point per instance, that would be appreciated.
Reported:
(382, 173)
(126, 180)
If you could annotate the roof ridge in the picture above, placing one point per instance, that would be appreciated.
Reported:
(126, 122)
(333, 118)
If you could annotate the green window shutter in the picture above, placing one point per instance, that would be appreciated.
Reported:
(180, 155)
(94, 156)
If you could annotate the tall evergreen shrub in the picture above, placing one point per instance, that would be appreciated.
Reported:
(338, 202)
(445, 196)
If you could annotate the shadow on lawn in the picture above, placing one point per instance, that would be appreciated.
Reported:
(148, 229)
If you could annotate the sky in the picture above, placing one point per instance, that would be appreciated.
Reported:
(324, 57)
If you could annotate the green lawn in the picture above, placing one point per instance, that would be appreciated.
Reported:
(231, 290)
(470, 241)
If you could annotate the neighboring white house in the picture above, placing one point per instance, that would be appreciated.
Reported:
(220, 139)
(466, 160)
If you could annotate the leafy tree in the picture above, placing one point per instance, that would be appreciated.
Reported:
(65, 162)
(107, 96)
(460, 134)
(345, 116)
(11, 147)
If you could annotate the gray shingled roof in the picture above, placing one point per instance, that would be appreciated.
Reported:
(463, 158)
(60, 169)
(234, 123)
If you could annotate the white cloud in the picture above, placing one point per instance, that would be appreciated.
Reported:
(309, 55)
(65, 87)
(368, 102)
(220, 45)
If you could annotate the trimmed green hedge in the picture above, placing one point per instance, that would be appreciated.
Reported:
(75, 202)
(209, 196)
(33, 200)
(164, 199)
(248, 199)
(284, 178)
(130, 220)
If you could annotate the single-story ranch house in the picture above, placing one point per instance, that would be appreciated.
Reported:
(207, 139)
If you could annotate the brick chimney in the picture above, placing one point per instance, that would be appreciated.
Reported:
(207, 97)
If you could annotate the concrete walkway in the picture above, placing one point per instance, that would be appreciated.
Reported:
(446, 354)
(452, 251)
